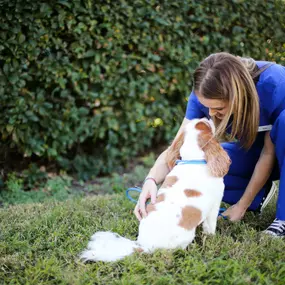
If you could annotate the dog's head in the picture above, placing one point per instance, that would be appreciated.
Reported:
(196, 140)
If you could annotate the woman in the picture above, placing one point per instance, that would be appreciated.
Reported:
(246, 100)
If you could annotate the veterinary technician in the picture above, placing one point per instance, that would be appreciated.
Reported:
(246, 100)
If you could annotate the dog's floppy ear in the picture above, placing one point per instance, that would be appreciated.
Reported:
(173, 152)
(217, 158)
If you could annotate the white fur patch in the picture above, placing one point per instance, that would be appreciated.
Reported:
(108, 246)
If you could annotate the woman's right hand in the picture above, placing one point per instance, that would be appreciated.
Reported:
(149, 190)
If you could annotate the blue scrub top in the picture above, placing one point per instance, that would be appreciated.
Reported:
(271, 91)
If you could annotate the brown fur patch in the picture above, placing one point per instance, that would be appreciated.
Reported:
(160, 198)
(138, 249)
(169, 181)
(191, 218)
(192, 193)
(150, 208)
(203, 126)
(173, 152)
(217, 158)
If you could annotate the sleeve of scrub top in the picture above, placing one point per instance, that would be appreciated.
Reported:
(193, 110)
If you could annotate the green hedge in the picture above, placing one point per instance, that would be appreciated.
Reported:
(90, 83)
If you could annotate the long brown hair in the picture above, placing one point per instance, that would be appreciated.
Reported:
(226, 77)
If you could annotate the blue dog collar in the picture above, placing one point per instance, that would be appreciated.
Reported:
(198, 161)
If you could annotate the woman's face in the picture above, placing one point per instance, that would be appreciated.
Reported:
(217, 108)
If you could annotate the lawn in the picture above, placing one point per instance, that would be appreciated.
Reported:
(40, 244)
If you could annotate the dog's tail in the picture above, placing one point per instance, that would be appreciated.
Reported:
(108, 246)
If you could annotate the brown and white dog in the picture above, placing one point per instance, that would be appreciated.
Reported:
(190, 195)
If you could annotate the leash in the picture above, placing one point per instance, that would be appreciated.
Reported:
(139, 190)
(133, 189)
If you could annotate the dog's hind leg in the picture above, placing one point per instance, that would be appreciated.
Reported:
(210, 223)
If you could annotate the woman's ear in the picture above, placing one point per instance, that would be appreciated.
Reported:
(217, 158)
(173, 152)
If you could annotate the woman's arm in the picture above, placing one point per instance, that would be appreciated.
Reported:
(259, 177)
(158, 172)
(261, 172)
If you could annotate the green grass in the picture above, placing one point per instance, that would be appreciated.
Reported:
(40, 243)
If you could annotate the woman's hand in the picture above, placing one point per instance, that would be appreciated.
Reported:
(149, 190)
(235, 212)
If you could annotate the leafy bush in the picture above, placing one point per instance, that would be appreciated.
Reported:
(92, 83)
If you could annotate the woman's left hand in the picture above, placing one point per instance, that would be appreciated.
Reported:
(235, 212)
